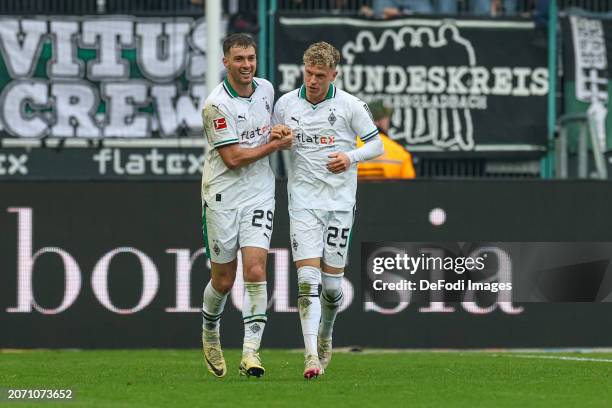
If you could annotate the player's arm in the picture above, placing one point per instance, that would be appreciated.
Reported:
(235, 157)
(280, 138)
(341, 161)
(223, 136)
(371, 149)
(363, 125)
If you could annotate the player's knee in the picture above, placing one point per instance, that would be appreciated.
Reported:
(332, 287)
(255, 273)
(308, 281)
(223, 283)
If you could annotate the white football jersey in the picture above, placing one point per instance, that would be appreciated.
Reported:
(228, 119)
(329, 126)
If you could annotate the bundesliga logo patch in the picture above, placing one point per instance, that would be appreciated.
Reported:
(220, 123)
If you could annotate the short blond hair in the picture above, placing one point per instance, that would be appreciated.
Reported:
(322, 53)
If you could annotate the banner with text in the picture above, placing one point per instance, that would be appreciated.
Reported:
(103, 76)
(523, 272)
(107, 163)
(91, 271)
(587, 60)
(476, 86)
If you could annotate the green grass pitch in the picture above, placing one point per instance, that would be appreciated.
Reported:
(178, 378)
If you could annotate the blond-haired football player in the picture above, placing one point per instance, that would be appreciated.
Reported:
(322, 186)
(238, 199)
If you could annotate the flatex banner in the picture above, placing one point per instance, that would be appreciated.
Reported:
(454, 85)
(103, 76)
(117, 163)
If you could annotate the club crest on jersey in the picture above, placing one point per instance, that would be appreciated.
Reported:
(332, 118)
(267, 106)
(220, 123)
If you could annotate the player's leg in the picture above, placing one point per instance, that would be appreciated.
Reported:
(255, 303)
(256, 224)
(331, 300)
(307, 247)
(335, 255)
(309, 307)
(220, 239)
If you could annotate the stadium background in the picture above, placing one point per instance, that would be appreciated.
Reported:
(100, 241)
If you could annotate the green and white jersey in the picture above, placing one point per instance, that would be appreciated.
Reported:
(229, 119)
(329, 126)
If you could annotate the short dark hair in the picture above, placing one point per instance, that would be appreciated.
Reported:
(238, 40)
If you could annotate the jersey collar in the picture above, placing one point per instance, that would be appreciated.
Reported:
(331, 93)
(232, 92)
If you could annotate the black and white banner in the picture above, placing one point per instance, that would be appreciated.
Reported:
(454, 85)
(103, 76)
(587, 69)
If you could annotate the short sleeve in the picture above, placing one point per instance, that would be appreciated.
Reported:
(362, 122)
(219, 126)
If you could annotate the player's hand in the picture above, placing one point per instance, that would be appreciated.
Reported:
(280, 131)
(339, 162)
(283, 143)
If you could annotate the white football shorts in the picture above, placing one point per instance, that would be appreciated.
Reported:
(225, 231)
(321, 234)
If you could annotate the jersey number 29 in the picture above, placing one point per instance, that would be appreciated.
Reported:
(258, 215)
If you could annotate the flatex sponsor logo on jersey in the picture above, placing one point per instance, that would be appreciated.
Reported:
(305, 141)
(316, 141)
(254, 134)
(443, 78)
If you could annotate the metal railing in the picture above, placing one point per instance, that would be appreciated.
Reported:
(350, 7)
(598, 6)
(81, 7)
(190, 7)
(34, 7)
(31, 7)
